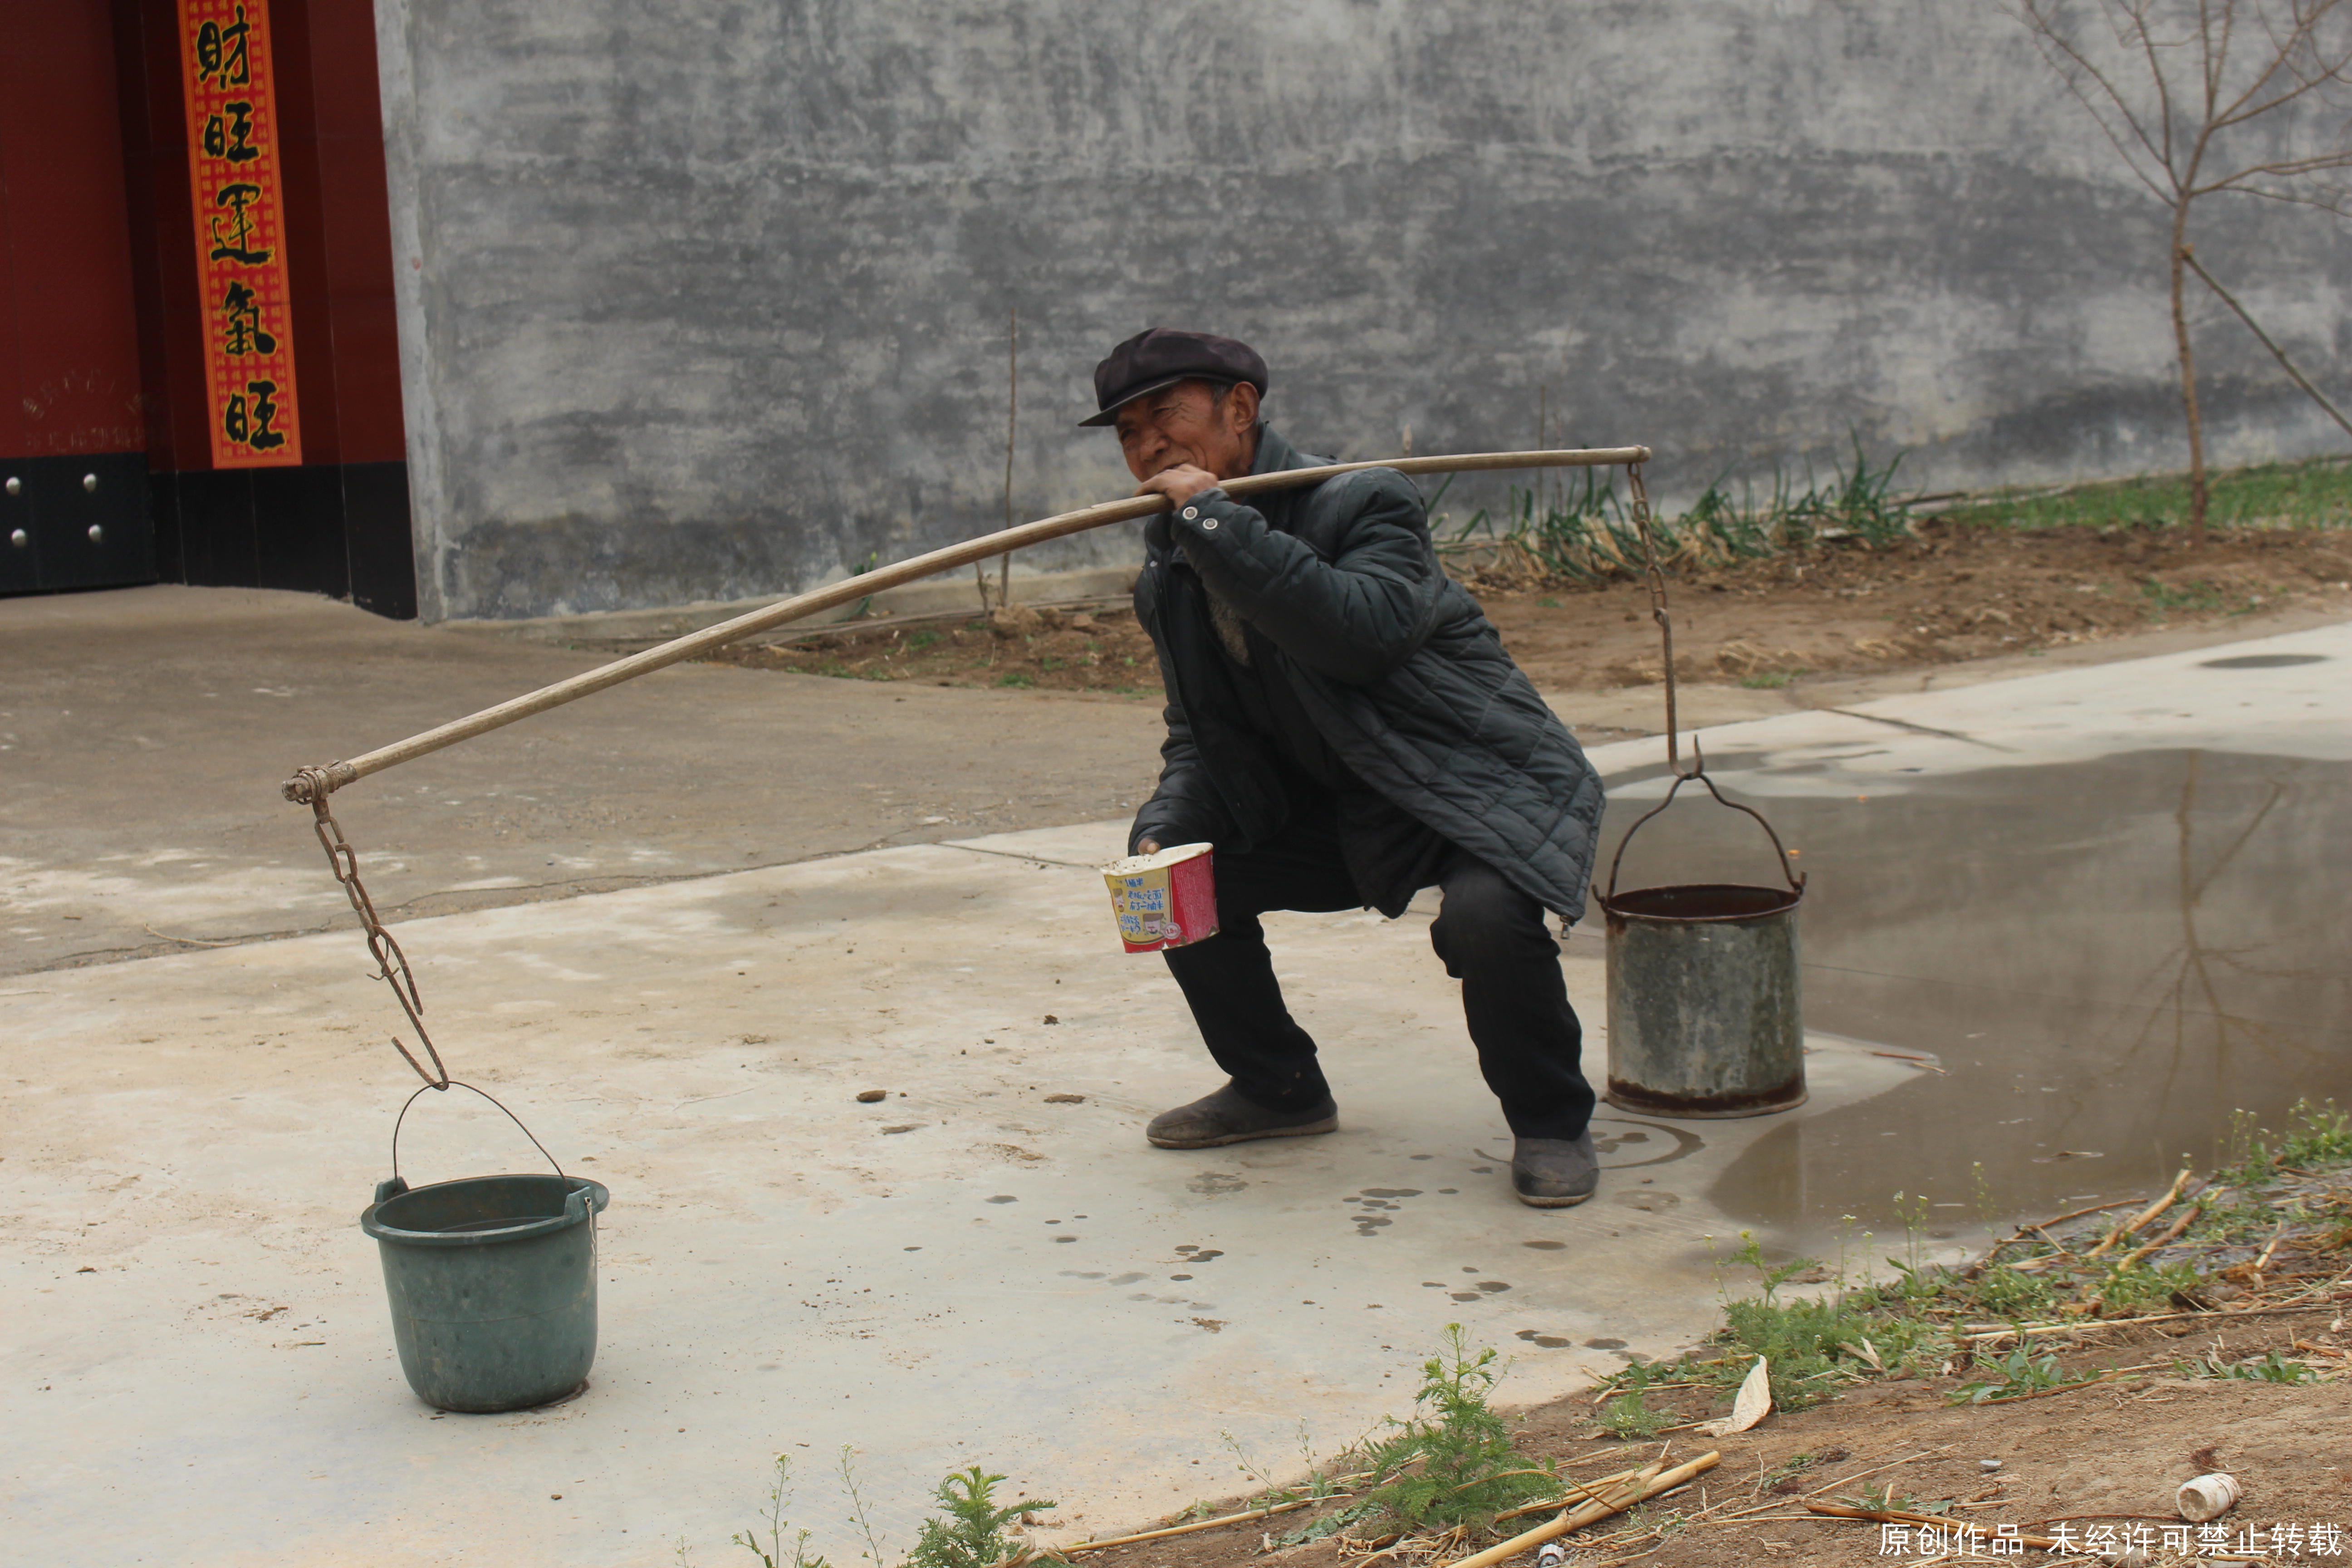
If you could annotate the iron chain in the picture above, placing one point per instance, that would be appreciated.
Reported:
(392, 964)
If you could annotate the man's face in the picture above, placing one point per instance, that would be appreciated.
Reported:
(1188, 424)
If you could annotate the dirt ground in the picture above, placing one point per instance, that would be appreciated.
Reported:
(2099, 1455)
(1956, 591)
(2143, 1373)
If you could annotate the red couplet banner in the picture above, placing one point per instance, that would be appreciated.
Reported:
(237, 179)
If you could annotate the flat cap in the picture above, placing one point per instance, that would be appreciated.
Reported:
(1162, 356)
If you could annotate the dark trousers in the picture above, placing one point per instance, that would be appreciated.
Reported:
(1489, 935)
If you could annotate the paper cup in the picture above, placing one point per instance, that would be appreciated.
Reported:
(1167, 899)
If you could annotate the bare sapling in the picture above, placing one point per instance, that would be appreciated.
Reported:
(2204, 98)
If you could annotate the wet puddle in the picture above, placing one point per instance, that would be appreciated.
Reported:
(2104, 959)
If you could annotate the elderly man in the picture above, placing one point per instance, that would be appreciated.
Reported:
(1345, 728)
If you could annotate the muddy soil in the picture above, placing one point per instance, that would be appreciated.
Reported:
(2104, 1455)
(1956, 591)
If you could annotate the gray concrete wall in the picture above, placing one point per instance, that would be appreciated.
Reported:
(703, 299)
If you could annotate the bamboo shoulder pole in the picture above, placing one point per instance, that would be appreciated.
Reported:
(307, 784)
(1647, 1485)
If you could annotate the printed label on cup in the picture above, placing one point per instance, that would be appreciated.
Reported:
(1165, 900)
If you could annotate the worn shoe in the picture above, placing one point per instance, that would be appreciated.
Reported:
(1225, 1117)
(1554, 1173)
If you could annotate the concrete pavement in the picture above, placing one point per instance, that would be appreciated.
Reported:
(143, 732)
(968, 1272)
(974, 1270)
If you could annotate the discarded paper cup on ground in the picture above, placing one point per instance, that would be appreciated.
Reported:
(2206, 1496)
(1166, 899)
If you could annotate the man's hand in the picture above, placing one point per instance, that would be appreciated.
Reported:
(1179, 483)
(1148, 847)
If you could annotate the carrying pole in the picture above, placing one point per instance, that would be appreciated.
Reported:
(315, 784)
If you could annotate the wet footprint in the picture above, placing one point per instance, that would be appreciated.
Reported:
(1371, 1199)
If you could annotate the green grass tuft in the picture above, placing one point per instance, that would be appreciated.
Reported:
(2020, 1372)
(2316, 493)
(2270, 1367)
(2316, 1133)
(2198, 597)
(972, 1534)
(1451, 1462)
(1628, 1417)
(1588, 534)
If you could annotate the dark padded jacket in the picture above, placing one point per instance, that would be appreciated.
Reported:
(1403, 677)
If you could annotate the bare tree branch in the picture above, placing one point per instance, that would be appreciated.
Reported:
(2240, 110)
(2072, 67)
(2289, 169)
(2279, 354)
(2336, 202)
(2270, 77)
(2215, 58)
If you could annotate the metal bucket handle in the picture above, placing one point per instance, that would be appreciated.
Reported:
(397, 1185)
(1796, 881)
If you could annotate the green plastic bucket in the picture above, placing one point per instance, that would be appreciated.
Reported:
(492, 1284)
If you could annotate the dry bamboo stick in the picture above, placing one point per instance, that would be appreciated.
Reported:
(1649, 1483)
(2170, 1196)
(1809, 1499)
(1612, 1389)
(1067, 1548)
(1891, 1463)
(1616, 1500)
(2041, 1230)
(1591, 1490)
(2078, 1214)
(2188, 1217)
(2210, 1314)
(2023, 1231)
(305, 784)
(2105, 1377)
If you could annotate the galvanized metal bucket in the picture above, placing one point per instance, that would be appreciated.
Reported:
(1705, 1016)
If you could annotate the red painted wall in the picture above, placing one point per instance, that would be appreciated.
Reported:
(69, 361)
